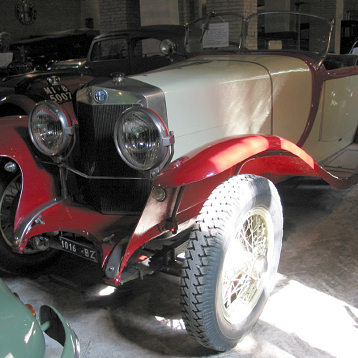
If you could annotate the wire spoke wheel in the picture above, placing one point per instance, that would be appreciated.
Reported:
(8, 204)
(231, 261)
(246, 264)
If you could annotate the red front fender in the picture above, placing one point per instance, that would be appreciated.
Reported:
(224, 154)
(201, 171)
(38, 185)
(269, 156)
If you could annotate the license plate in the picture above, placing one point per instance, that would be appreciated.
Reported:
(78, 249)
(58, 93)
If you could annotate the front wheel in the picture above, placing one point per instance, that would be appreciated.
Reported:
(10, 260)
(231, 261)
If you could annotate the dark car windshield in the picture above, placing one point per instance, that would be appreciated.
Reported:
(109, 49)
(117, 48)
(266, 31)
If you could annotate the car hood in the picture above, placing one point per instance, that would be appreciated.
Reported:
(20, 333)
(15, 80)
(210, 98)
(5, 91)
(35, 85)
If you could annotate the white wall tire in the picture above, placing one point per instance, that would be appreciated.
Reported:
(231, 261)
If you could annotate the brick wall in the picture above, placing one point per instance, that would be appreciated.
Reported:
(90, 9)
(244, 7)
(351, 9)
(189, 10)
(153, 12)
(119, 15)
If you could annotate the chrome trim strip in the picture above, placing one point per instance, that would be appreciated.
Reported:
(96, 177)
(92, 177)
(83, 175)
(28, 222)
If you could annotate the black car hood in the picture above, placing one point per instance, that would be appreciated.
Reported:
(26, 79)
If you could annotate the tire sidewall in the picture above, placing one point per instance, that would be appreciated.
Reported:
(249, 198)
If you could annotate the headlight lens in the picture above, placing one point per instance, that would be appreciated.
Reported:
(50, 128)
(142, 139)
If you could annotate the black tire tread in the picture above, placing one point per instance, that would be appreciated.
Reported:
(203, 246)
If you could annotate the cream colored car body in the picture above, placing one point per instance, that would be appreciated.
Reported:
(337, 118)
(210, 98)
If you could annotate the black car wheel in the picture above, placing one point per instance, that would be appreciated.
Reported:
(231, 261)
(10, 260)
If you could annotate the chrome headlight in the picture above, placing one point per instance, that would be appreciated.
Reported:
(50, 128)
(142, 139)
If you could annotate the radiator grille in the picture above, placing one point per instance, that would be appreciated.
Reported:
(99, 157)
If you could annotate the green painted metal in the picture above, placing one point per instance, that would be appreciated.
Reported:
(20, 333)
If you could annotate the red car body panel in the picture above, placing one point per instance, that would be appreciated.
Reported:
(262, 155)
(197, 174)
(20, 100)
(14, 146)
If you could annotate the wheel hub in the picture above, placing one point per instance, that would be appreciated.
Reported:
(246, 264)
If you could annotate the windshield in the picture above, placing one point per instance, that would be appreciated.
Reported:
(266, 31)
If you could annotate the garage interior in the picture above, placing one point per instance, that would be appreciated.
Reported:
(313, 311)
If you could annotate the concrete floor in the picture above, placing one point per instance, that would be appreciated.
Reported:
(313, 311)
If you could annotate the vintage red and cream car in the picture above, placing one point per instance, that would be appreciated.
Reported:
(175, 169)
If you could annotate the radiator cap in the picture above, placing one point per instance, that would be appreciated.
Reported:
(118, 77)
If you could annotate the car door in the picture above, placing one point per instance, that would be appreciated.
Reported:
(109, 55)
(340, 107)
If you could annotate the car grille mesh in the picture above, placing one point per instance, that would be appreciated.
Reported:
(99, 157)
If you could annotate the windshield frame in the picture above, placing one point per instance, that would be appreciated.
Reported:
(317, 57)
(207, 18)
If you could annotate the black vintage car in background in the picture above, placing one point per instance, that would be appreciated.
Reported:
(127, 52)
(135, 51)
(36, 52)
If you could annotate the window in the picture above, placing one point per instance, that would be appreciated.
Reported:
(110, 50)
(147, 48)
